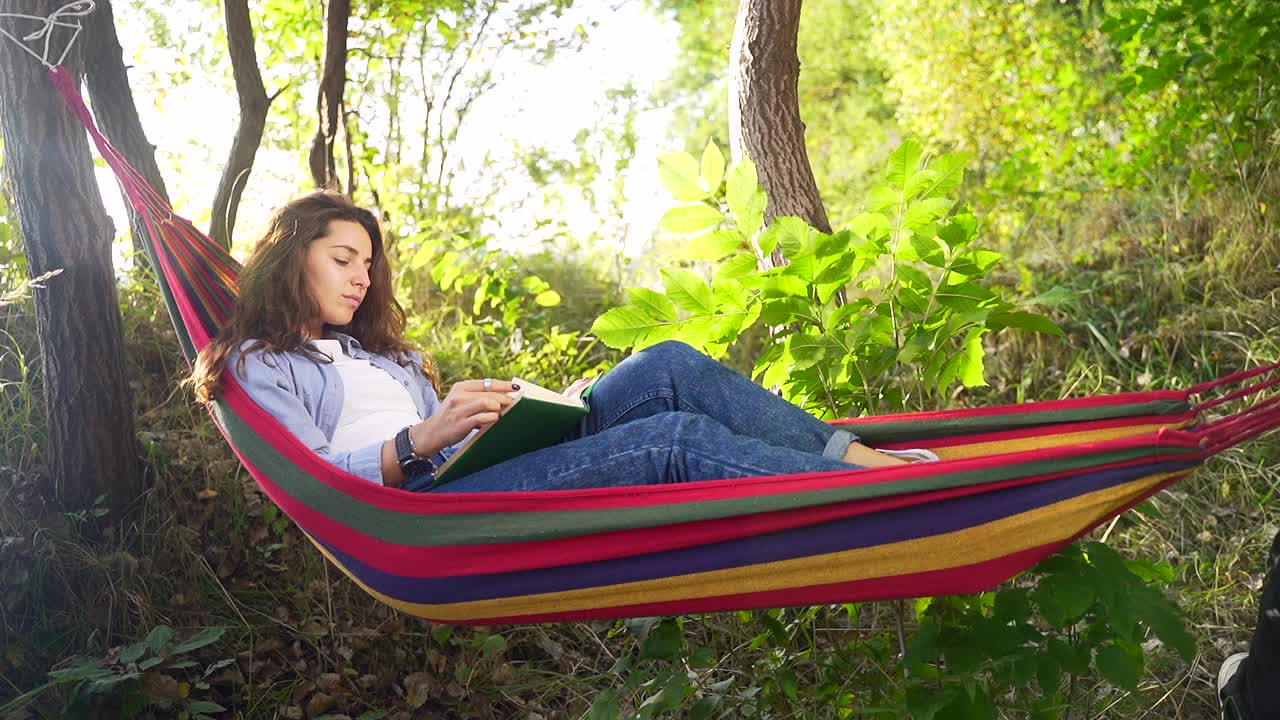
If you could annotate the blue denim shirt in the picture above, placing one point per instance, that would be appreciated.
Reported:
(306, 396)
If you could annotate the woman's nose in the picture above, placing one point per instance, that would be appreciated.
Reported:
(362, 278)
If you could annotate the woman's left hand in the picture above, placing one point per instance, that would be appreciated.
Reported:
(579, 386)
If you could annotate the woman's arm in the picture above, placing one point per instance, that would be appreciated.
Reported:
(272, 389)
(467, 406)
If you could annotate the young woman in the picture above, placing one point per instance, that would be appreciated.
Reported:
(316, 339)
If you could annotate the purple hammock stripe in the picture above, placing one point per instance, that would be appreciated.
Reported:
(883, 528)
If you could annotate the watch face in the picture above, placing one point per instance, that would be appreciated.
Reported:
(417, 466)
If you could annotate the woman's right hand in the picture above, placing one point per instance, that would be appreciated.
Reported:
(467, 406)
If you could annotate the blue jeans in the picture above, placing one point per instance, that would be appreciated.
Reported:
(670, 414)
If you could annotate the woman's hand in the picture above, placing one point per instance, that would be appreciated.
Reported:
(467, 406)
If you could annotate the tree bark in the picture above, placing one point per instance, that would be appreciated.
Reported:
(764, 109)
(254, 104)
(91, 447)
(329, 100)
(114, 109)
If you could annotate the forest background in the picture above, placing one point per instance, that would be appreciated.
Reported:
(1116, 214)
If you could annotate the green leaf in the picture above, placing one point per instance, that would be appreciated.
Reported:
(790, 686)
(1053, 297)
(1119, 666)
(628, 326)
(133, 652)
(741, 188)
(712, 167)
(690, 219)
(784, 286)
(870, 225)
(964, 706)
(678, 172)
(964, 297)
(924, 702)
(925, 211)
(927, 249)
(712, 246)
(663, 640)
(655, 304)
(783, 311)
(960, 231)
(1062, 599)
(548, 298)
(1164, 620)
(703, 709)
(903, 164)
(806, 350)
(493, 645)
(950, 173)
(605, 706)
(1048, 674)
(738, 266)
(1071, 658)
(159, 638)
(791, 233)
(883, 197)
(1032, 322)
(204, 706)
(689, 292)
(923, 645)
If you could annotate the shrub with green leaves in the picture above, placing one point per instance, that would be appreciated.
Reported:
(886, 314)
(1083, 611)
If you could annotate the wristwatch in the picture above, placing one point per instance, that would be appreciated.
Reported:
(411, 463)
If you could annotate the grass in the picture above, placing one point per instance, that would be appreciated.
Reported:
(1196, 299)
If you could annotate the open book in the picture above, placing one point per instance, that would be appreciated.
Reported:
(538, 418)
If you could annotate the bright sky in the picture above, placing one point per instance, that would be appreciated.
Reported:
(193, 126)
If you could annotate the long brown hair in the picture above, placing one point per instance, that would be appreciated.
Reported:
(274, 305)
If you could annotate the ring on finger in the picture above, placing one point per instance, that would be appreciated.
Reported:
(488, 384)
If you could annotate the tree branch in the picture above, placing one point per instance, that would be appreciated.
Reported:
(254, 104)
(329, 100)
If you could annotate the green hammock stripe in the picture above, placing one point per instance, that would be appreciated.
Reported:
(902, 431)
(431, 530)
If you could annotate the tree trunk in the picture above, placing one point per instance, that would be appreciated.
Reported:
(764, 109)
(114, 109)
(254, 105)
(329, 101)
(91, 448)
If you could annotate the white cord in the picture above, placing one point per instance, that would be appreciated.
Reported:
(59, 18)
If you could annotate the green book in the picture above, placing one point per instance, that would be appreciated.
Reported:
(538, 418)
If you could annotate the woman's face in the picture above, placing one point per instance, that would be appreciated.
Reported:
(336, 273)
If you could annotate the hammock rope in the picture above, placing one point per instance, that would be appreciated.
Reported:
(1014, 484)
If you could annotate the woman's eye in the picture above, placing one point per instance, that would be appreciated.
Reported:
(343, 263)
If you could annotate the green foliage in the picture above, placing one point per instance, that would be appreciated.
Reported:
(135, 678)
(493, 316)
(888, 313)
(1083, 611)
(1214, 67)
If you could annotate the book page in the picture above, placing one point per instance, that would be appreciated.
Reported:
(537, 392)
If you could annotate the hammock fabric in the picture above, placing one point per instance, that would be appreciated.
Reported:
(1014, 484)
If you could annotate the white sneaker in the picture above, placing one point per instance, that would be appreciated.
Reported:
(913, 455)
(1230, 705)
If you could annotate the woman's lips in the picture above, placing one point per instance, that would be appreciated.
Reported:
(355, 301)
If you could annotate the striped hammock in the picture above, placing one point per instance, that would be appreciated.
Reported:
(1015, 484)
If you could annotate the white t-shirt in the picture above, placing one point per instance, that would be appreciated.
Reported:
(374, 406)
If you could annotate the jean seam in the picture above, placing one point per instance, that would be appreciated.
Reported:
(636, 402)
(744, 470)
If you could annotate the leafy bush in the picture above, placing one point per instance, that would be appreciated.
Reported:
(887, 314)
